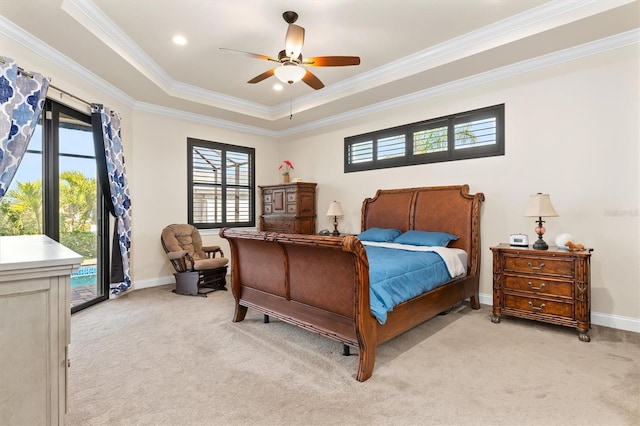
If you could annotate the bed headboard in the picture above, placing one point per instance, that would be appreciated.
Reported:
(439, 208)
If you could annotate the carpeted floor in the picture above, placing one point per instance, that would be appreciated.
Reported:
(156, 358)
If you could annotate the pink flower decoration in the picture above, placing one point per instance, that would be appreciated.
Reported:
(286, 167)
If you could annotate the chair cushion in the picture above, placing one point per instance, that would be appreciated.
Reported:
(183, 237)
(204, 264)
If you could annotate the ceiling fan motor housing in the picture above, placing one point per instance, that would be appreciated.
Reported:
(283, 58)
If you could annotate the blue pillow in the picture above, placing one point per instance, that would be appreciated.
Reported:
(425, 238)
(379, 235)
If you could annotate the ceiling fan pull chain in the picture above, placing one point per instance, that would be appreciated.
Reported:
(290, 108)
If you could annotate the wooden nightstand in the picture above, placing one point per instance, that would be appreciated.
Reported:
(544, 285)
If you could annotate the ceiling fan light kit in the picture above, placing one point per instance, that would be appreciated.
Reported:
(289, 73)
(291, 68)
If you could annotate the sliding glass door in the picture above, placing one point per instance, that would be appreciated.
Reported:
(55, 192)
(78, 201)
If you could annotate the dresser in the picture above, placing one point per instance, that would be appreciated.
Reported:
(35, 313)
(551, 285)
(289, 208)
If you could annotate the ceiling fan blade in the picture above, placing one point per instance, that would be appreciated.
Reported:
(331, 61)
(263, 76)
(250, 55)
(294, 40)
(313, 81)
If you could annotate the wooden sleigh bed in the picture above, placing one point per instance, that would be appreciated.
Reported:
(321, 283)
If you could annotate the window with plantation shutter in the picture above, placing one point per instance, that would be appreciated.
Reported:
(361, 152)
(221, 184)
(391, 147)
(378, 149)
(472, 134)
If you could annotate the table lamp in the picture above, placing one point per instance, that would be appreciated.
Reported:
(539, 206)
(335, 210)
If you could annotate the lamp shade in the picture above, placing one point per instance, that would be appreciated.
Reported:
(289, 73)
(540, 206)
(334, 209)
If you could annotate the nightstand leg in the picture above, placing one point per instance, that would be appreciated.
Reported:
(583, 336)
(495, 319)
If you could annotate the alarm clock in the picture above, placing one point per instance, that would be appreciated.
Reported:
(519, 240)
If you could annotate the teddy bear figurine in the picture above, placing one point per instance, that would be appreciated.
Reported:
(574, 246)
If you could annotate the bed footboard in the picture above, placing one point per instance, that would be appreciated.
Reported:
(317, 283)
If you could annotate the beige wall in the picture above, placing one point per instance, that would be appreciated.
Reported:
(159, 185)
(572, 130)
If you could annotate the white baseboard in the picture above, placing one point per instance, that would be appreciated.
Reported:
(597, 318)
(154, 282)
(616, 321)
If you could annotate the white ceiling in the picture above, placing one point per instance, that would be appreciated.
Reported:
(407, 48)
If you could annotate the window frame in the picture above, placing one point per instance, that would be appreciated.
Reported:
(410, 158)
(225, 149)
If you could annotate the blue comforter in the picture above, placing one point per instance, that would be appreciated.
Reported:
(396, 276)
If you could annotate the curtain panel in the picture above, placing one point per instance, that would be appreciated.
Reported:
(22, 96)
(113, 181)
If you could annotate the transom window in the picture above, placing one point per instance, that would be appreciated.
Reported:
(471, 134)
(221, 184)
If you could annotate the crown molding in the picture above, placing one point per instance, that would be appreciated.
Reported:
(96, 22)
(25, 39)
(204, 119)
(17, 34)
(533, 21)
(556, 58)
(516, 27)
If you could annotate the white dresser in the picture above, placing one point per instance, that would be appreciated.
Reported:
(34, 329)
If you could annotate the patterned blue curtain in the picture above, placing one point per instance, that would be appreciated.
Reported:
(22, 95)
(113, 181)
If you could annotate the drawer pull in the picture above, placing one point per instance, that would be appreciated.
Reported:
(536, 308)
(535, 267)
(543, 285)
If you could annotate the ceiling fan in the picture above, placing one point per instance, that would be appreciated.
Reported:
(291, 68)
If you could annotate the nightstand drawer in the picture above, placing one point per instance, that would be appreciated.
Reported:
(539, 286)
(539, 306)
(539, 265)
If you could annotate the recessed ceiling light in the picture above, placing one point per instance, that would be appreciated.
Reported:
(277, 86)
(179, 40)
